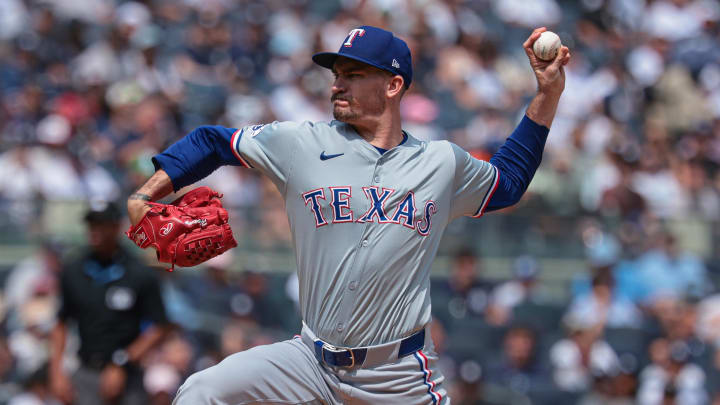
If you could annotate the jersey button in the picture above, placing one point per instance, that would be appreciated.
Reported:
(377, 179)
(352, 286)
(340, 327)
(365, 243)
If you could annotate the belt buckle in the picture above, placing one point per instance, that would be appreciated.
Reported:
(333, 349)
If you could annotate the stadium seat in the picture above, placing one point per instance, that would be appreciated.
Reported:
(627, 340)
(540, 317)
(473, 338)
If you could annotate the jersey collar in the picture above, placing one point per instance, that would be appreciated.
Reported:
(371, 151)
(382, 151)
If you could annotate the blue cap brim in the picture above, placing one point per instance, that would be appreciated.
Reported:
(325, 59)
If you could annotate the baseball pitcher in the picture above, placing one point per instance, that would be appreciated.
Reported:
(367, 204)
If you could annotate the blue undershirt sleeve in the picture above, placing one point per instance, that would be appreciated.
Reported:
(196, 155)
(517, 160)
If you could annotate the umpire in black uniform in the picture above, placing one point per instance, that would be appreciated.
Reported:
(115, 301)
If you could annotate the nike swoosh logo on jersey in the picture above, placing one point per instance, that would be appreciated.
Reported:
(323, 156)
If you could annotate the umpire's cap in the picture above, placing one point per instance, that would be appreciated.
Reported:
(103, 212)
(373, 46)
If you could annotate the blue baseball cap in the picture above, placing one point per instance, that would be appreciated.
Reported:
(373, 46)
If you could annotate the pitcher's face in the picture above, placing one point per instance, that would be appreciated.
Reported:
(359, 90)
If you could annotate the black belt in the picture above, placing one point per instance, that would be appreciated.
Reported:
(347, 357)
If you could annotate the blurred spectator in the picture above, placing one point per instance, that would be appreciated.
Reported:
(34, 276)
(471, 388)
(582, 356)
(161, 382)
(621, 199)
(670, 374)
(14, 16)
(180, 309)
(612, 390)
(36, 390)
(676, 19)
(50, 171)
(518, 367)
(273, 227)
(669, 271)
(28, 344)
(524, 287)
(708, 320)
(213, 293)
(604, 255)
(264, 300)
(236, 337)
(543, 13)
(663, 270)
(8, 379)
(612, 310)
(110, 295)
(221, 293)
(464, 294)
(167, 368)
(32, 299)
(678, 321)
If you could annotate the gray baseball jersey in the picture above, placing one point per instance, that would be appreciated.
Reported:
(366, 226)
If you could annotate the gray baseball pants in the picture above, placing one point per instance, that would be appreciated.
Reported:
(287, 372)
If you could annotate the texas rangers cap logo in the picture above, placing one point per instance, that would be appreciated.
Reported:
(357, 32)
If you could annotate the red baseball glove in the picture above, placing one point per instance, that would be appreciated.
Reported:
(191, 230)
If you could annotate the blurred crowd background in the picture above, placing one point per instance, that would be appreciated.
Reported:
(599, 287)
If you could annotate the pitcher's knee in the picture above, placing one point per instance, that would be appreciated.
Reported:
(246, 377)
(217, 385)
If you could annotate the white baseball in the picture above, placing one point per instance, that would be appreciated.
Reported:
(546, 47)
